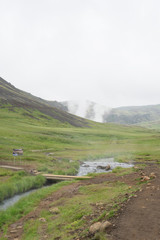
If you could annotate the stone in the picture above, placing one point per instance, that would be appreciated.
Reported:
(54, 210)
(135, 167)
(108, 167)
(98, 226)
(19, 227)
(142, 173)
(95, 227)
(13, 231)
(105, 226)
(86, 165)
(152, 175)
(101, 167)
(42, 219)
(145, 178)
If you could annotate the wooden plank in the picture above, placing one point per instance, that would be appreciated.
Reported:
(62, 177)
(49, 176)
(11, 167)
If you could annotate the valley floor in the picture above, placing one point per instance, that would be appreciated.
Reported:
(133, 212)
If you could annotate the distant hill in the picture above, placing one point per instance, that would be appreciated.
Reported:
(122, 115)
(133, 115)
(12, 97)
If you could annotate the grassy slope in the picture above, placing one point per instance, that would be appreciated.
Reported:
(54, 147)
(13, 97)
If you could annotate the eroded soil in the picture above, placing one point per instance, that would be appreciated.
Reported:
(140, 217)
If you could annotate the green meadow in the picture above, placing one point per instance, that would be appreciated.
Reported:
(55, 147)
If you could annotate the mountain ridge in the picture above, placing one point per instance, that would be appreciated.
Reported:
(13, 97)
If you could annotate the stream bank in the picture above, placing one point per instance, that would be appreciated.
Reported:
(97, 166)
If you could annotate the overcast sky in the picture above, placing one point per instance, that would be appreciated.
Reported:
(106, 51)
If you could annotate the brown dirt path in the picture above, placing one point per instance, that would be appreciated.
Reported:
(140, 218)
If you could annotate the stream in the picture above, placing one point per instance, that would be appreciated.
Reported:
(11, 201)
(97, 166)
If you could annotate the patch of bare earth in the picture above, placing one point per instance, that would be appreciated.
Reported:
(140, 217)
(137, 219)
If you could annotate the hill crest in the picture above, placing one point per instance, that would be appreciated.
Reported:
(13, 97)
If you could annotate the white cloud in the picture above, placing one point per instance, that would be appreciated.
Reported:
(104, 51)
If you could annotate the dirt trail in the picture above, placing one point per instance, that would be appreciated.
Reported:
(140, 218)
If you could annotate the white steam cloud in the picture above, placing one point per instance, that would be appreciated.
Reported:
(87, 109)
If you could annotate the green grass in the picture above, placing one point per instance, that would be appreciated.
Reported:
(27, 204)
(75, 211)
(17, 182)
(53, 147)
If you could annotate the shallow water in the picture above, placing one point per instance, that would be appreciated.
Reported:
(9, 202)
(85, 168)
(93, 166)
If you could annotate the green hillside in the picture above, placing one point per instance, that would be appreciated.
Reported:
(133, 115)
(56, 141)
(52, 146)
(13, 98)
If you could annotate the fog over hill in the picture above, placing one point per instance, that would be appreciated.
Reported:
(122, 115)
(87, 109)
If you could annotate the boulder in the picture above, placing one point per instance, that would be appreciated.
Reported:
(99, 227)
(105, 225)
(95, 227)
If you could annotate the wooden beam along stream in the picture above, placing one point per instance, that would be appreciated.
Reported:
(62, 177)
(48, 176)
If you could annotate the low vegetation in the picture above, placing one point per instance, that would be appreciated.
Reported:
(25, 205)
(92, 203)
(17, 182)
(53, 147)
